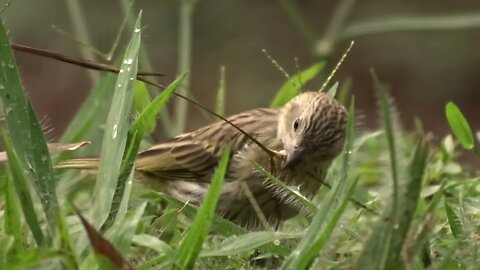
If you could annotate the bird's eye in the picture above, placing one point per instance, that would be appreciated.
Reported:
(295, 125)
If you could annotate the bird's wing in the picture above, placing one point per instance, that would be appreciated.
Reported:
(193, 156)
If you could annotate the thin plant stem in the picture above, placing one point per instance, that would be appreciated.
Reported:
(184, 60)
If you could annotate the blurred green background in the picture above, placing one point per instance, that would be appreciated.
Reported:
(425, 65)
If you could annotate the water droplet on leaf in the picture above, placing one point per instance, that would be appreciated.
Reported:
(114, 134)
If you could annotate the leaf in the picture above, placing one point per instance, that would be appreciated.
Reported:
(121, 234)
(293, 86)
(13, 224)
(142, 125)
(408, 203)
(23, 193)
(115, 137)
(459, 126)
(192, 243)
(154, 243)
(103, 247)
(454, 221)
(376, 250)
(6, 243)
(246, 243)
(26, 133)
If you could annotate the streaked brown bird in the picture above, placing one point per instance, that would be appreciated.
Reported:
(309, 130)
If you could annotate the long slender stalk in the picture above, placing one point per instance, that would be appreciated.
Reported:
(184, 60)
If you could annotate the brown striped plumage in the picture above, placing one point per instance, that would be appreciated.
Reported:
(310, 129)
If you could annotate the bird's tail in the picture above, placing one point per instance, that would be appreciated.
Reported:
(79, 163)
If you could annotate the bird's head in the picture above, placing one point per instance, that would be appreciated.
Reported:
(312, 126)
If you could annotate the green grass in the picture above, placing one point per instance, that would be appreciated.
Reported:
(394, 200)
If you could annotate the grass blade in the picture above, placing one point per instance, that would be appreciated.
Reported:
(293, 86)
(247, 243)
(408, 202)
(13, 224)
(6, 243)
(104, 248)
(115, 137)
(23, 192)
(143, 124)
(459, 126)
(26, 133)
(192, 243)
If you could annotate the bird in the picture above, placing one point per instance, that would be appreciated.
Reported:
(307, 133)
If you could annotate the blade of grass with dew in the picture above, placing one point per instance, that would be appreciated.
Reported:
(248, 242)
(23, 192)
(376, 250)
(459, 126)
(192, 243)
(293, 86)
(221, 93)
(143, 124)
(408, 201)
(26, 133)
(13, 224)
(330, 210)
(115, 137)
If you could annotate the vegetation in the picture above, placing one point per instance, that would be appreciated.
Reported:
(392, 200)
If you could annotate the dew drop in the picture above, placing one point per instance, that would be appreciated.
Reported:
(137, 30)
(396, 226)
(276, 242)
(114, 134)
(131, 78)
(2, 87)
(128, 61)
(121, 70)
(10, 65)
(119, 85)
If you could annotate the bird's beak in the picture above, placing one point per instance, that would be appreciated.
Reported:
(293, 156)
